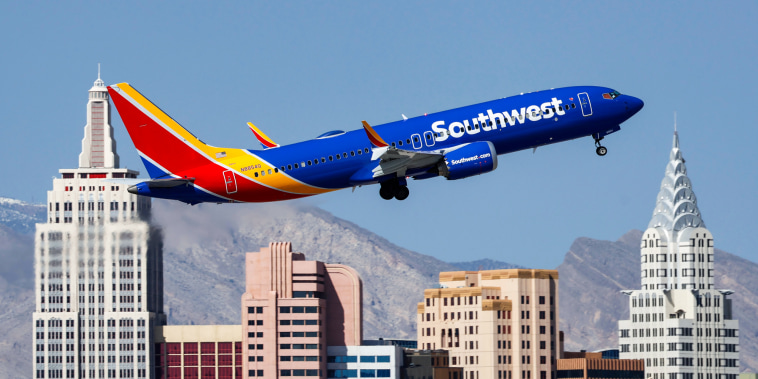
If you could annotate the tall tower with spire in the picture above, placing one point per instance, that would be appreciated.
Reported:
(98, 145)
(680, 325)
(97, 265)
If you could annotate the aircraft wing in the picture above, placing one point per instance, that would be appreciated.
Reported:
(401, 162)
(393, 161)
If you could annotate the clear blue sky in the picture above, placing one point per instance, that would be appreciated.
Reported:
(297, 69)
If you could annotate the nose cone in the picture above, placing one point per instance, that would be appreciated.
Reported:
(633, 105)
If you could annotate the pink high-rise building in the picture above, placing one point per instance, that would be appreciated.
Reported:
(292, 309)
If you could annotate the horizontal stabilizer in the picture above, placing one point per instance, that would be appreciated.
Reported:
(161, 183)
(262, 138)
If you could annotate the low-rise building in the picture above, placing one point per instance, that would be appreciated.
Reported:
(379, 361)
(429, 364)
(583, 365)
(198, 351)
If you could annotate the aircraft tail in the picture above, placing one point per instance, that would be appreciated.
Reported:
(166, 148)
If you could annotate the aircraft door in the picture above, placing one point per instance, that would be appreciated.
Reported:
(584, 101)
(230, 180)
(416, 138)
(429, 138)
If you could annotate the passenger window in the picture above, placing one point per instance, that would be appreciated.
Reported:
(415, 139)
(269, 171)
(323, 160)
(365, 150)
(263, 173)
(256, 174)
(338, 156)
(315, 161)
(331, 159)
(393, 144)
(283, 168)
(344, 155)
(408, 141)
(276, 170)
(295, 165)
(400, 143)
(573, 105)
(302, 164)
(360, 152)
(309, 162)
(289, 167)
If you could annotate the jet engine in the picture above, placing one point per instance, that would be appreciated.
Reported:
(468, 160)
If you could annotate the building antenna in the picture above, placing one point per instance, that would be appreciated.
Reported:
(98, 70)
(674, 122)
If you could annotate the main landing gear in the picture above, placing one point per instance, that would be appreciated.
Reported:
(395, 188)
(601, 150)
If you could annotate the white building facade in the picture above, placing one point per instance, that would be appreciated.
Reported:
(679, 324)
(98, 266)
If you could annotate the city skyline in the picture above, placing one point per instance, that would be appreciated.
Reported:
(325, 75)
(99, 167)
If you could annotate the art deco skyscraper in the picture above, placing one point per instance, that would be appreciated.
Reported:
(680, 325)
(98, 266)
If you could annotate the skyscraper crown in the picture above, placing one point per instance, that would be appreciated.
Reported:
(676, 205)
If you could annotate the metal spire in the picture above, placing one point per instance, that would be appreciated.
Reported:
(676, 204)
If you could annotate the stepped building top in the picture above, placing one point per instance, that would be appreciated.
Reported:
(676, 205)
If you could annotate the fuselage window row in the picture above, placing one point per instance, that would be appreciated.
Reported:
(316, 161)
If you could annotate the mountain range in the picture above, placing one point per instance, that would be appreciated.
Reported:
(204, 248)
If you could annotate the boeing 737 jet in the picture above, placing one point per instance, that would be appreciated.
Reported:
(454, 144)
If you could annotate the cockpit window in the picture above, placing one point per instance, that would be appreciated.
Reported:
(612, 95)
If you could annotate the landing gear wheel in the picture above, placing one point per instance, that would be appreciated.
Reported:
(401, 193)
(601, 150)
(386, 192)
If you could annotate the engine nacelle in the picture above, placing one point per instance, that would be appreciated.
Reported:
(469, 160)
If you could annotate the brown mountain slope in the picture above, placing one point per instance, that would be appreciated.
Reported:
(593, 272)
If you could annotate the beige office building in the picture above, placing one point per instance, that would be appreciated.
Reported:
(497, 324)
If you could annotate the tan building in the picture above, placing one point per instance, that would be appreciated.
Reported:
(292, 309)
(497, 324)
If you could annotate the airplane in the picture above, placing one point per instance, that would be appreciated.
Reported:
(454, 144)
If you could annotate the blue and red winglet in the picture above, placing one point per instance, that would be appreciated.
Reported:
(262, 138)
(373, 136)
